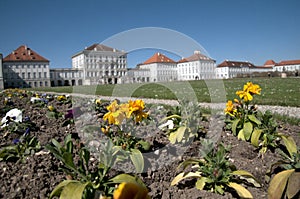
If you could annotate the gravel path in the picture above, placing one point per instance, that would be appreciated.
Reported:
(282, 110)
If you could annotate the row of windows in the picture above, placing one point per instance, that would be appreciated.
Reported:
(107, 66)
(106, 73)
(24, 76)
(287, 68)
(166, 72)
(195, 64)
(65, 75)
(196, 77)
(25, 84)
(25, 66)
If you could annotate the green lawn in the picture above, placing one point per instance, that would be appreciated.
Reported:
(275, 91)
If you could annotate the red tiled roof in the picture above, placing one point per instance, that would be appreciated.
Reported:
(264, 67)
(235, 64)
(183, 60)
(195, 57)
(101, 47)
(24, 54)
(159, 58)
(270, 62)
(288, 62)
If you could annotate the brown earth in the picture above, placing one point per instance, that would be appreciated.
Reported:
(39, 175)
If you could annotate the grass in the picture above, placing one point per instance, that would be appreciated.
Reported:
(275, 91)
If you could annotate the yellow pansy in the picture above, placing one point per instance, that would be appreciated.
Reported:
(98, 101)
(113, 106)
(252, 88)
(244, 95)
(230, 109)
(116, 113)
(105, 130)
(127, 190)
(137, 108)
(51, 108)
(61, 98)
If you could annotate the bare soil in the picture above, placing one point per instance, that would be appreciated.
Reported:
(39, 175)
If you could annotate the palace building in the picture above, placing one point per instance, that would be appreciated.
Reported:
(24, 68)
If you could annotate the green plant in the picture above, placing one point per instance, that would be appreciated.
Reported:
(286, 183)
(85, 180)
(214, 172)
(53, 113)
(24, 146)
(183, 123)
(122, 120)
(248, 123)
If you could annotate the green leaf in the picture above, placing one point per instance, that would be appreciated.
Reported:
(278, 184)
(73, 190)
(219, 189)
(85, 155)
(172, 138)
(201, 183)
(289, 144)
(184, 175)
(57, 190)
(145, 145)
(56, 144)
(241, 191)
(188, 162)
(247, 176)
(170, 117)
(241, 135)
(234, 126)
(68, 160)
(254, 119)
(127, 178)
(293, 185)
(180, 133)
(248, 128)
(137, 160)
(255, 137)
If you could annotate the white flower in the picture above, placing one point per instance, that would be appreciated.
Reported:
(34, 99)
(169, 124)
(14, 115)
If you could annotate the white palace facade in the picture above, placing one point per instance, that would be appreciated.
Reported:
(96, 64)
(24, 68)
(100, 64)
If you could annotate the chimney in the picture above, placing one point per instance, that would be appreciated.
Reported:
(197, 52)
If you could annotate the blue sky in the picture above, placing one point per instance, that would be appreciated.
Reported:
(253, 31)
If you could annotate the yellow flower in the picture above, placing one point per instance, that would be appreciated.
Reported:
(105, 130)
(236, 101)
(230, 109)
(127, 190)
(116, 113)
(61, 98)
(124, 108)
(98, 101)
(252, 88)
(244, 95)
(113, 106)
(51, 108)
(137, 108)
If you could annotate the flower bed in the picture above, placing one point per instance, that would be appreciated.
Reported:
(150, 139)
